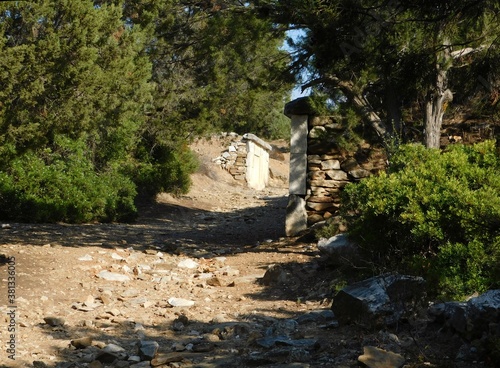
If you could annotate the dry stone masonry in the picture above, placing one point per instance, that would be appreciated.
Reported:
(247, 159)
(320, 168)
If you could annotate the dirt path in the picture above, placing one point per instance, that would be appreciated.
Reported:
(192, 278)
(230, 234)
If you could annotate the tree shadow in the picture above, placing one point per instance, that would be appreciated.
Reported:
(263, 337)
(165, 227)
(244, 341)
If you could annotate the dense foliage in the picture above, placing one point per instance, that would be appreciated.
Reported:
(398, 64)
(433, 214)
(99, 99)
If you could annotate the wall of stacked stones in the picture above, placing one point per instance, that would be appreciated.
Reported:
(320, 167)
(247, 159)
(330, 167)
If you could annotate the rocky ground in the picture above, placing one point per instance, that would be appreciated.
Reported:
(207, 279)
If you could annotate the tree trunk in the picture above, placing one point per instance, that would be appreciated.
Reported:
(370, 115)
(437, 100)
(434, 112)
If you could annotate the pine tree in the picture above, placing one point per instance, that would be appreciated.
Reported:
(73, 76)
(388, 57)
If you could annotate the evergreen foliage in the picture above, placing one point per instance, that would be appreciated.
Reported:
(46, 185)
(397, 64)
(435, 215)
(74, 86)
(100, 99)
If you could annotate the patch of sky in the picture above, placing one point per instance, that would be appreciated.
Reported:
(295, 35)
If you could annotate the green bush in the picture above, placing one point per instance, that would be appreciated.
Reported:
(433, 214)
(164, 169)
(60, 184)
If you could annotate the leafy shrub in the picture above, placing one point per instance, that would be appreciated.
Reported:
(60, 184)
(433, 214)
(164, 169)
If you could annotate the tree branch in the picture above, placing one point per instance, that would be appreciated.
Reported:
(466, 51)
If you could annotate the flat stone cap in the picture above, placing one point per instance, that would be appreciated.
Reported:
(260, 142)
(299, 106)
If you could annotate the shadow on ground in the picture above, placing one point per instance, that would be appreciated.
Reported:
(165, 227)
(273, 338)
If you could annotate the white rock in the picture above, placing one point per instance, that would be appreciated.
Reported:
(116, 256)
(180, 302)
(127, 269)
(86, 257)
(187, 263)
(112, 276)
(335, 244)
(89, 301)
(205, 276)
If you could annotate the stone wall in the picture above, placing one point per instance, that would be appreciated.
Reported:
(320, 168)
(247, 159)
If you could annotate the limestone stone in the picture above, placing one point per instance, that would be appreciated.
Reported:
(271, 341)
(296, 215)
(180, 302)
(110, 353)
(327, 183)
(148, 349)
(374, 357)
(214, 281)
(379, 300)
(82, 342)
(298, 139)
(298, 172)
(260, 142)
(337, 175)
(320, 199)
(300, 106)
(359, 173)
(144, 364)
(334, 126)
(320, 206)
(349, 164)
(330, 165)
(167, 358)
(317, 316)
(317, 132)
(314, 159)
(320, 191)
(188, 263)
(337, 247)
(316, 175)
(113, 276)
(314, 219)
(473, 318)
(275, 274)
(54, 321)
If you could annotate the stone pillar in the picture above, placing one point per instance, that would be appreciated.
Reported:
(320, 168)
(296, 216)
